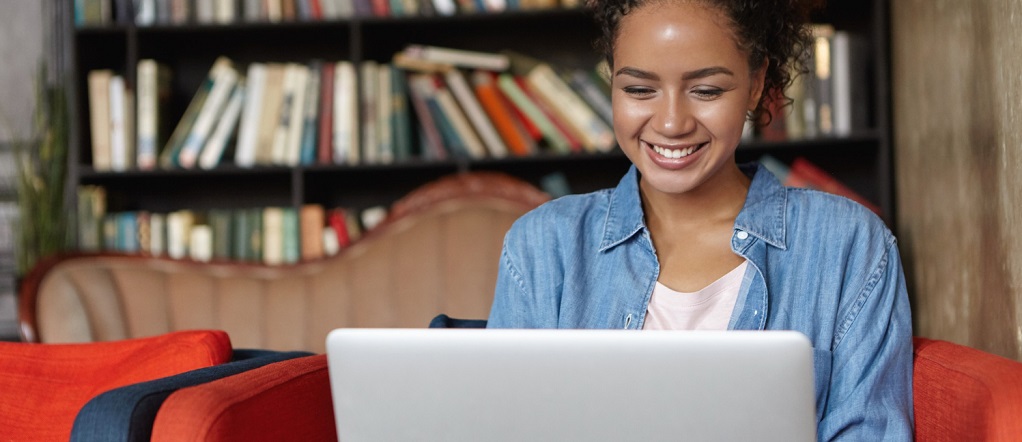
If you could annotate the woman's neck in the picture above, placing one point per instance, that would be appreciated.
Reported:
(713, 202)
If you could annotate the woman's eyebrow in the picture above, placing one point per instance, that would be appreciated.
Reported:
(699, 73)
(637, 73)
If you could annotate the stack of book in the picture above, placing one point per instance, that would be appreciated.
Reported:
(832, 99)
(805, 174)
(428, 102)
(268, 235)
(182, 12)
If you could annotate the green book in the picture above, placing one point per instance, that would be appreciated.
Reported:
(510, 87)
(291, 236)
(241, 232)
(220, 224)
(168, 158)
(400, 120)
(255, 240)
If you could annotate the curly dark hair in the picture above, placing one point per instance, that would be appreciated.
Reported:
(774, 30)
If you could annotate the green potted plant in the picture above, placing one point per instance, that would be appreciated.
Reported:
(44, 225)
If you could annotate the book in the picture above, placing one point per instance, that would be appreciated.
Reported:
(121, 154)
(401, 125)
(459, 57)
(445, 7)
(177, 140)
(524, 103)
(337, 220)
(430, 137)
(248, 129)
(241, 234)
(153, 97)
(179, 226)
(384, 148)
(325, 137)
(504, 121)
(820, 179)
(476, 115)
(273, 236)
(99, 118)
(583, 84)
(569, 108)
(849, 55)
(200, 243)
(296, 121)
(218, 140)
(308, 145)
(368, 113)
(469, 141)
(270, 115)
(822, 84)
(211, 111)
(346, 114)
(157, 234)
(91, 210)
(290, 236)
(312, 219)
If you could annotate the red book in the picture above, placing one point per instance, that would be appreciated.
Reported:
(822, 180)
(316, 9)
(381, 8)
(325, 149)
(500, 113)
(338, 222)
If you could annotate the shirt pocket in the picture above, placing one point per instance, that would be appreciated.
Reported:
(822, 360)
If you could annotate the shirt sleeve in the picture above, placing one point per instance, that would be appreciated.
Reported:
(515, 302)
(870, 394)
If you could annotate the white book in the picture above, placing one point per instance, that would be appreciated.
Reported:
(269, 114)
(459, 57)
(200, 243)
(346, 115)
(157, 234)
(384, 110)
(466, 97)
(214, 148)
(224, 13)
(248, 131)
(147, 121)
(179, 224)
(253, 10)
(445, 7)
(331, 245)
(118, 125)
(461, 125)
(594, 133)
(495, 5)
(211, 111)
(284, 122)
(297, 120)
(345, 8)
(146, 13)
(273, 235)
(274, 13)
(369, 78)
(841, 79)
(205, 11)
(99, 117)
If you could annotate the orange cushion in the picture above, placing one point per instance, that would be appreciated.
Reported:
(288, 400)
(961, 393)
(43, 386)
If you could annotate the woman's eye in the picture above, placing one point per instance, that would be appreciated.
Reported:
(708, 93)
(638, 91)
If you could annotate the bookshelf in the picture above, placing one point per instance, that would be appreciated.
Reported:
(862, 159)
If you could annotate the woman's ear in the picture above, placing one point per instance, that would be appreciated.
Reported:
(758, 80)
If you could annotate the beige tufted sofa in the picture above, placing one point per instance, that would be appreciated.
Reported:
(437, 252)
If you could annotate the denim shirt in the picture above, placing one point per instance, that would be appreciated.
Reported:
(819, 264)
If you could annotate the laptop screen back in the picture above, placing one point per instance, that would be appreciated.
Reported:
(568, 385)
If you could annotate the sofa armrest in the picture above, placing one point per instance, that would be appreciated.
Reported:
(961, 393)
(288, 400)
(127, 413)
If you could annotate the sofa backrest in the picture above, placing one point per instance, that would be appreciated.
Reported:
(437, 252)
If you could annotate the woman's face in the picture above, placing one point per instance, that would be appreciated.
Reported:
(681, 91)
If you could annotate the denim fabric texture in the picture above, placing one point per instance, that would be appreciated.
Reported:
(820, 264)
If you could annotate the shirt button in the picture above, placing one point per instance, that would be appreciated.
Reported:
(742, 234)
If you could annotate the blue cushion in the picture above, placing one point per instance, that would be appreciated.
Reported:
(444, 321)
(128, 413)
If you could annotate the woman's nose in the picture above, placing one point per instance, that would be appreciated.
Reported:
(673, 117)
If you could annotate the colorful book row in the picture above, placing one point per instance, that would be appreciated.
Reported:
(429, 102)
(267, 235)
(183, 12)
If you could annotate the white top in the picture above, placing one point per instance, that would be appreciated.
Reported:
(707, 309)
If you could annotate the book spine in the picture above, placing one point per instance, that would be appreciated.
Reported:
(312, 221)
(297, 121)
(214, 149)
(369, 77)
(401, 120)
(474, 111)
(518, 142)
(469, 140)
(270, 114)
(384, 115)
(310, 116)
(211, 110)
(200, 243)
(169, 156)
(594, 133)
(99, 117)
(514, 92)
(432, 139)
(290, 236)
(118, 130)
(285, 116)
(248, 131)
(147, 114)
(459, 58)
(273, 236)
(346, 114)
(325, 148)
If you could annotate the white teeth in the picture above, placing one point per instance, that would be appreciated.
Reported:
(674, 153)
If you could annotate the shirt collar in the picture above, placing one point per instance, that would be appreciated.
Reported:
(762, 215)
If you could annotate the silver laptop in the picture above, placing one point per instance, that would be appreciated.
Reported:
(570, 385)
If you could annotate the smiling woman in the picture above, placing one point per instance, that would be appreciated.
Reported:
(690, 239)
